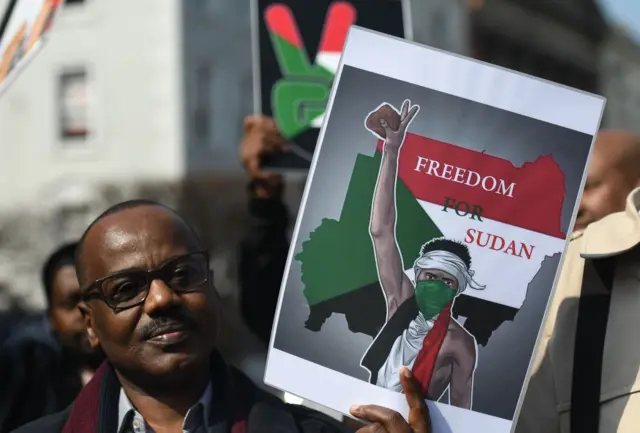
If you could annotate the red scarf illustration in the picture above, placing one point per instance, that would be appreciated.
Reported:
(426, 359)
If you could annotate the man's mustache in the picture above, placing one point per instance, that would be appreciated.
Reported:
(179, 318)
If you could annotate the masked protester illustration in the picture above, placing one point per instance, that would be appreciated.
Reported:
(420, 332)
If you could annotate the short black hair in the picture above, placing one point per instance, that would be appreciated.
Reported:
(454, 247)
(116, 208)
(63, 256)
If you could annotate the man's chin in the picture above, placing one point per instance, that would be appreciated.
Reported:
(170, 364)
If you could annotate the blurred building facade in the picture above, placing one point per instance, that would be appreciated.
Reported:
(620, 80)
(565, 41)
(557, 40)
(127, 99)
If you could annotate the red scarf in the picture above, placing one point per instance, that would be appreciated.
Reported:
(84, 413)
(426, 359)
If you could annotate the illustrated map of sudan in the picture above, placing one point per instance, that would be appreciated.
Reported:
(519, 226)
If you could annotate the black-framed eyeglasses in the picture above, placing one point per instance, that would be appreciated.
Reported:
(130, 288)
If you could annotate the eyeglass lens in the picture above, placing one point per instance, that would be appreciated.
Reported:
(181, 274)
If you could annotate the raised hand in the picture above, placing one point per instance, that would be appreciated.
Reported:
(394, 139)
(385, 420)
(261, 137)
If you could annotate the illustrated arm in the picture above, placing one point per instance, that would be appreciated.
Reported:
(464, 365)
(395, 283)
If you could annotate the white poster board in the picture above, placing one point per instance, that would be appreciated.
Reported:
(437, 249)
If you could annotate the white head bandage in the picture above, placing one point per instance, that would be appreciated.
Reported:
(449, 263)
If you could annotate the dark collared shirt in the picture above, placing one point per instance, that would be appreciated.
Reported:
(196, 420)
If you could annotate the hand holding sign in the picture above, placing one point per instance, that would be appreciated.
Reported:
(384, 420)
(260, 137)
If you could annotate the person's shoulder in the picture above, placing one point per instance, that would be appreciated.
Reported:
(49, 424)
(576, 235)
(614, 234)
(574, 248)
(458, 333)
(30, 331)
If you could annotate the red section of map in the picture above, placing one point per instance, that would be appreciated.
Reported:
(530, 197)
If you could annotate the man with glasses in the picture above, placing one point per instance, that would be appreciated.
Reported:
(149, 303)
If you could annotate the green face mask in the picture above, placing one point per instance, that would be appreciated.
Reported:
(433, 296)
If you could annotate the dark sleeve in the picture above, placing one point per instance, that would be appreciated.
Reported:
(48, 424)
(263, 254)
(22, 396)
(312, 421)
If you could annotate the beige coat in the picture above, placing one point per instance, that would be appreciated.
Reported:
(548, 398)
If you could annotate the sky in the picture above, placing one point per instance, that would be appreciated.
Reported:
(625, 13)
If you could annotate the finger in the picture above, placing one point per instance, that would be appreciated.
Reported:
(274, 141)
(412, 113)
(391, 420)
(386, 127)
(412, 389)
(259, 122)
(405, 109)
(372, 428)
(253, 167)
(269, 126)
(249, 122)
(419, 419)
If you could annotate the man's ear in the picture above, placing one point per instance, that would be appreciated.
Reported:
(87, 316)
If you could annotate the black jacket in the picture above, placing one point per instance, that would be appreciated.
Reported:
(261, 411)
(263, 255)
(36, 379)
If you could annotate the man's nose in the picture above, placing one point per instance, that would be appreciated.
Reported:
(160, 297)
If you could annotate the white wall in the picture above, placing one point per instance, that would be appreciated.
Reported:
(133, 54)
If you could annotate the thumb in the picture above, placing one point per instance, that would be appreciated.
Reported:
(419, 418)
(386, 127)
(252, 121)
(253, 167)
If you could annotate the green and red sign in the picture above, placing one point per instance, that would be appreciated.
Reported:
(299, 47)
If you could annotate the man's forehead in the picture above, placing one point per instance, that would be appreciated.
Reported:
(146, 232)
(67, 275)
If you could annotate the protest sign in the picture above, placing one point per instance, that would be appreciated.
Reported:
(24, 27)
(430, 233)
(297, 46)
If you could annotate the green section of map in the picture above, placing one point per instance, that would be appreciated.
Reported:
(338, 256)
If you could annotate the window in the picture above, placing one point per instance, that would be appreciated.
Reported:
(73, 105)
(203, 103)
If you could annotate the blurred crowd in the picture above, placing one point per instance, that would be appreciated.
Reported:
(108, 307)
